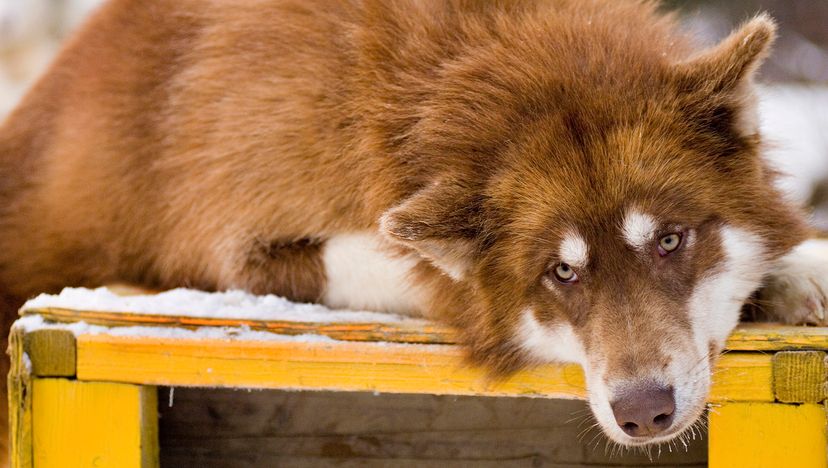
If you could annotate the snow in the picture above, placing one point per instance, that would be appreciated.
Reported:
(27, 363)
(794, 123)
(32, 323)
(192, 303)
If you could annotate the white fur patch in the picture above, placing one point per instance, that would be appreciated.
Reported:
(796, 290)
(362, 274)
(549, 343)
(574, 250)
(639, 229)
(717, 300)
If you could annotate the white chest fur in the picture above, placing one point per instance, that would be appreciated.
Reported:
(364, 274)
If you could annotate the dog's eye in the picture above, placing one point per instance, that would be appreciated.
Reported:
(565, 274)
(669, 243)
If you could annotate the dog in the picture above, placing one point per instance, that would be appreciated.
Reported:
(561, 180)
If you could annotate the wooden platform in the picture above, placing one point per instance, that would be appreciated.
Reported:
(99, 386)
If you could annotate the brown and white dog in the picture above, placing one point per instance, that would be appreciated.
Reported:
(562, 180)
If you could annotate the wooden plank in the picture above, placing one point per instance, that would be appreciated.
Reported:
(93, 424)
(396, 368)
(799, 376)
(742, 377)
(20, 402)
(775, 337)
(222, 428)
(772, 435)
(746, 337)
(403, 332)
(51, 352)
(344, 366)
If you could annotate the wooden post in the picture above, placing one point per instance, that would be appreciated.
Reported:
(97, 424)
(788, 431)
(771, 435)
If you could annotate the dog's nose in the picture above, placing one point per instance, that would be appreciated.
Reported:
(645, 410)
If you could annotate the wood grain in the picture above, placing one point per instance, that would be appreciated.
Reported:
(215, 428)
(799, 376)
(51, 352)
(20, 402)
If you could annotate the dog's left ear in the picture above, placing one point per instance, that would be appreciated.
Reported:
(439, 223)
(723, 75)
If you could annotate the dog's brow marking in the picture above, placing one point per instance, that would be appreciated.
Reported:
(639, 228)
(574, 250)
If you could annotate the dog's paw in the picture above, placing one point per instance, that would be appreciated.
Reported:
(796, 291)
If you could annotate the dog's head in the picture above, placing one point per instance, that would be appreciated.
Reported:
(622, 227)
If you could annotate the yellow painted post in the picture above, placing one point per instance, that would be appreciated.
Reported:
(93, 424)
(20, 402)
(772, 435)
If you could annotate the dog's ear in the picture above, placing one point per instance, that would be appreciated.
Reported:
(723, 75)
(440, 223)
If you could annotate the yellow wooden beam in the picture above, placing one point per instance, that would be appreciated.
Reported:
(393, 368)
(348, 366)
(93, 424)
(742, 377)
(772, 435)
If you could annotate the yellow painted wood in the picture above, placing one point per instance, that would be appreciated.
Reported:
(799, 376)
(93, 424)
(51, 352)
(307, 365)
(746, 337)
(742, 377)
(772, 435)
(20, 402)
(775, 337)
(392, 368)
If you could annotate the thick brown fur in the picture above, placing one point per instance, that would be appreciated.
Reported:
(218, 145)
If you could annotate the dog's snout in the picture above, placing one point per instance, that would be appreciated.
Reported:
(645, 410)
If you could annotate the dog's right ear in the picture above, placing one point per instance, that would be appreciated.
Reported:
(733, 62)
(721, 78)
(440, 222)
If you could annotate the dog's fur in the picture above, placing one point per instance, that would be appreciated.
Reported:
(432, 157)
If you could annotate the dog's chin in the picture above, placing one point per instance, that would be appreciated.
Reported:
(646, 441)
(628, 441)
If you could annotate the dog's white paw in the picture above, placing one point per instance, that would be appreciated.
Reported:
(796, 291)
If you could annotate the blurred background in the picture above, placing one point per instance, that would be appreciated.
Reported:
(794, 98)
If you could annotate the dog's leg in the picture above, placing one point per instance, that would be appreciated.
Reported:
(796, 291)
(292, 269)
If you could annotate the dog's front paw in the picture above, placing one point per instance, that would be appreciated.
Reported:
(796, 291)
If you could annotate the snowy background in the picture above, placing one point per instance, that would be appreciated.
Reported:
(794, 106)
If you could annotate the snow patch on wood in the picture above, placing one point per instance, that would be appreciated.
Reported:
(32, 323)
(191, 303)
